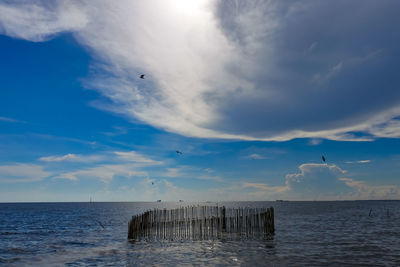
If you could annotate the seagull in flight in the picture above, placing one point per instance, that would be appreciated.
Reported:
(142, 76)
(178, 152)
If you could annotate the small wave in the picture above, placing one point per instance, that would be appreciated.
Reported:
(9, 233)
(10, 260)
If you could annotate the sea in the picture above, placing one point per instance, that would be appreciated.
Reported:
(312, 233)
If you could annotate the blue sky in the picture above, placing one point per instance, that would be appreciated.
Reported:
(252, 93)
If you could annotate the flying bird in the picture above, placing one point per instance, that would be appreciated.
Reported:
(152, 183)
(142, 76)
(323, 158)
(178, 152)
(102, 226)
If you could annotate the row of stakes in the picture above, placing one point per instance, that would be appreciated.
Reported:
(202, 223)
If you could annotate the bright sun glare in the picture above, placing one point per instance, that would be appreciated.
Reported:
(189, 6)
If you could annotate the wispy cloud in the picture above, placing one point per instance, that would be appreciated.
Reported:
(74, 158)
(266, 188)
(209, 170)
(330, 73)
(22, 173)
(68, 157)
(255, 47)
(189, 172)
(104, 166)
(10, 120)
(174, 172)
(63, 138)
(136, 157)
(358, 161)
(313, 46)
(110, 156)
(105, 172)
(255, 156)
(364, 191)
(38, 22)
(118, 130)
(315, 141)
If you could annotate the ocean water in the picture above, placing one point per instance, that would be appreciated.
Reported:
(337, 233)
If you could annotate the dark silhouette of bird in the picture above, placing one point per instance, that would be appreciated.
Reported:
(142, 76)
(323, 159)
(102, 226)
(152, 183)
(178, 152)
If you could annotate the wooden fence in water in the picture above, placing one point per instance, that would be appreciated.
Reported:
(202, 223)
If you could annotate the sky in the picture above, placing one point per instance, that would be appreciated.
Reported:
(252, 93)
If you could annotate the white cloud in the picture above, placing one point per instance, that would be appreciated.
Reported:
(105, 172)
(364, 191)
(35, 21)
(189, 172)
(315, 141)
(74, 158)
(255, 156)
(330, 74)
(313, 46)
(387, 128)
(67, 157)
(135, 157)
(358, 161)
(107, 165)
(115, 156)
(209, 170)
(234, 69)
(173, 172)
(6, 119)
(327, 182)
(266, 188)
(317, 181)
(22, 173)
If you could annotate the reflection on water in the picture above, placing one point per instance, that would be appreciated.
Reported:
(307, 233)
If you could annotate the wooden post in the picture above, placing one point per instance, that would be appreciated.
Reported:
(223, 219)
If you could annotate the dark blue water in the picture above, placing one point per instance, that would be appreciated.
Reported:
(307, 234)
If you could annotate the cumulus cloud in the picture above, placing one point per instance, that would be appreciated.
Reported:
(312, 182)
(22, 173)
(328, 182)
(253, 70)
(317, 181)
